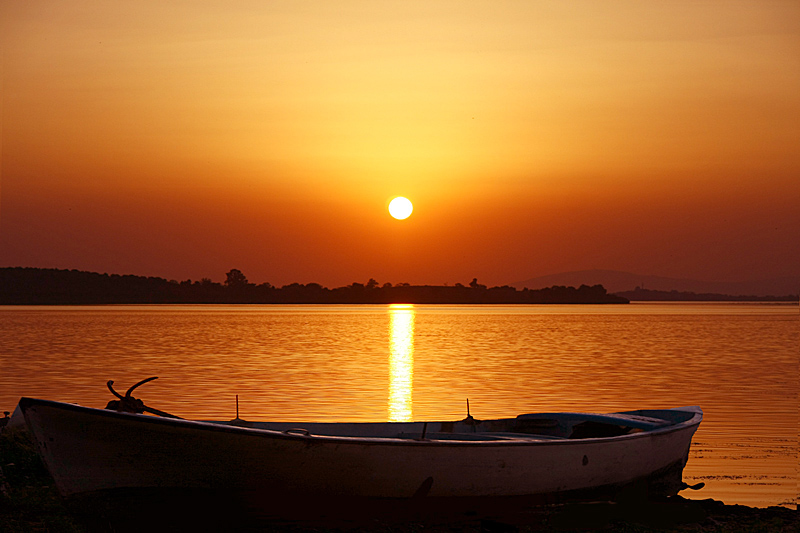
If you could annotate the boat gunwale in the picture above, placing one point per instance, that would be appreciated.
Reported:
(227, 427)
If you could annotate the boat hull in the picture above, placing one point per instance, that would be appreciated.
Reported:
(89, 451)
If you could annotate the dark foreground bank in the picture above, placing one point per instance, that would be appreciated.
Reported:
(29, 503)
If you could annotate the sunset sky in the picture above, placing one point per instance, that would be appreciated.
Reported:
(183, 139)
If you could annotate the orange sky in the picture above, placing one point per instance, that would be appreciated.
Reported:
(183, 139)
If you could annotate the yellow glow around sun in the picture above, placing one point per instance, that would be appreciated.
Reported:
(400, 208)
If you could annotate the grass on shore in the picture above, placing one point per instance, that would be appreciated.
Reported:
(29, 500)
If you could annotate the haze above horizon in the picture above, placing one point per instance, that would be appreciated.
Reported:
(532, 138)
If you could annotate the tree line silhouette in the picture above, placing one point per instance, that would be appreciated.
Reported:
(43, 286)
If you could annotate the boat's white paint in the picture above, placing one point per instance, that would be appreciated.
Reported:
(89, 450)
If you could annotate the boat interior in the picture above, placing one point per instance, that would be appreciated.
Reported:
(528, 427)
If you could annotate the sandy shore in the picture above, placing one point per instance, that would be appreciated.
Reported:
(674, 514)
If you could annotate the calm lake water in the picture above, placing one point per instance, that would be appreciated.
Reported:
(738, 361)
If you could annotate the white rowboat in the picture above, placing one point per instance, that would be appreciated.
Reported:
(547, 455)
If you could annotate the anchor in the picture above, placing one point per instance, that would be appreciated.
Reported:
(129, 404)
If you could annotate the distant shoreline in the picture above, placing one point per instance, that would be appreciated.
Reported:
(39, 286)
(43, 286)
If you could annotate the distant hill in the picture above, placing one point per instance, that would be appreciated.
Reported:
(647, 295)
(616, 281)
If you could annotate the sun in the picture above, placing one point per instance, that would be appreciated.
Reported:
(400, 208)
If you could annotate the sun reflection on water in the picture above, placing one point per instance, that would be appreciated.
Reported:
(401, 362)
